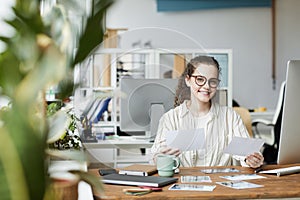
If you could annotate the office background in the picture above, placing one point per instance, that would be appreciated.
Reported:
(248, 31)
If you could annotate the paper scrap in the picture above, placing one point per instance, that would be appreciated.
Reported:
(239, 184)
(192, 187)
(242, 177)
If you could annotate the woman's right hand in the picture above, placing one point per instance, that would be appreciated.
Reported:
(170, 151)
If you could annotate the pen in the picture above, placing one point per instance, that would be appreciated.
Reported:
(257, 170)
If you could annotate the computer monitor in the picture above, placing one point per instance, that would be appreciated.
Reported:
(145, 102)
(289, 147)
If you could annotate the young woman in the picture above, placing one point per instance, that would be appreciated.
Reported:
(195, 109)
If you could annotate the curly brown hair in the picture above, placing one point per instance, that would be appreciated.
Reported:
(183, 91)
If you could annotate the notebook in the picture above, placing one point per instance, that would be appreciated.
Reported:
(151, 181)
(139, 170)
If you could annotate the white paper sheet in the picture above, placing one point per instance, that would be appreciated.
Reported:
(239, 184)
(241, 177)
(186, 140)
(243, 146)
(192, 187)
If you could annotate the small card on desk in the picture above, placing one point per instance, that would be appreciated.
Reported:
(139, 170)
(242, 177)
(219, 170)
(239, 184)
(194, 179)
(192, 187)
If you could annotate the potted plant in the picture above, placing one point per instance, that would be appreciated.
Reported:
(38, 54)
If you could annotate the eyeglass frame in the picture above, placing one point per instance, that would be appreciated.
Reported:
(209, 80)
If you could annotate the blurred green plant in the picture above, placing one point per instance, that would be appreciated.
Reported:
(52, 108)
(70, 138)
(38, 54)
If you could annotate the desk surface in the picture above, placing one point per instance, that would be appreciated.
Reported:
(274, 187)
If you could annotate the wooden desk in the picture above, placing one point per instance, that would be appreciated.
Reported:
(274, 187)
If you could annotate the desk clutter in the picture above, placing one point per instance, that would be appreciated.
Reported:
(147, 184)
(135, 175)
(231, 182)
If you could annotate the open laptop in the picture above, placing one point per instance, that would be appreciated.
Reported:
(289, 146)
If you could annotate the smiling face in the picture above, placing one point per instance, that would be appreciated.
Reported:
(204, 93)
(198, 83)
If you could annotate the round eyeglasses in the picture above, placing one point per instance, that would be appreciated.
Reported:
(201, 80)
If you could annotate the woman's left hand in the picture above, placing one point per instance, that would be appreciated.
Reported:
(255, 160)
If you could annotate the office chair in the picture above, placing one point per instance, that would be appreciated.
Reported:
(246, 117)
(270, 151)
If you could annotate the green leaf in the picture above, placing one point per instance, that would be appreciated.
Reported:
(58, 124)
(93, 33)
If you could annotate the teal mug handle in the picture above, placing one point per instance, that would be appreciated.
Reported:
(177, 163)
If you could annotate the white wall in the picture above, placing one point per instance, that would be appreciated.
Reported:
(245, 30)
